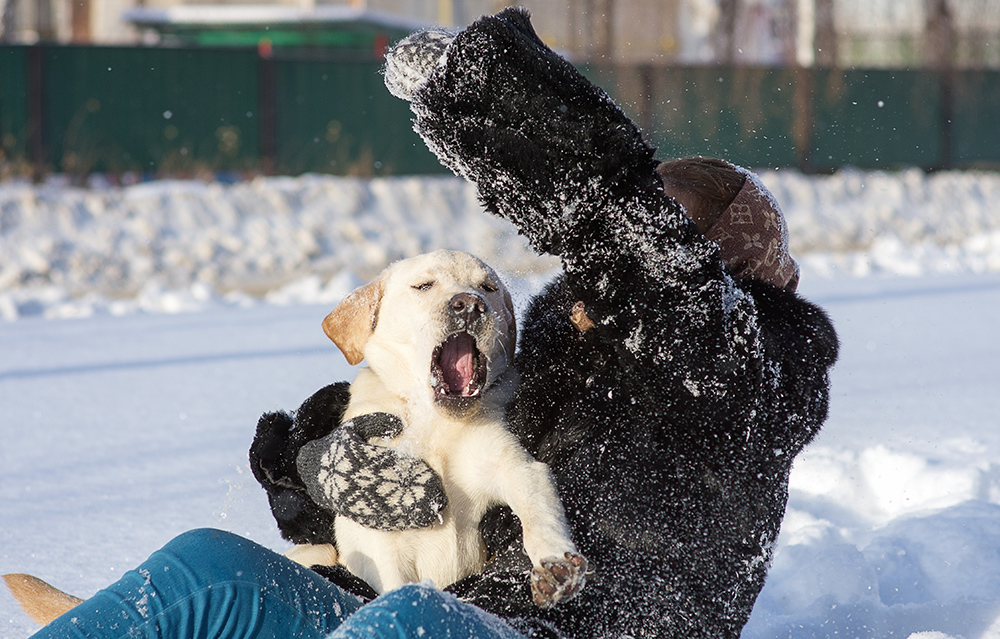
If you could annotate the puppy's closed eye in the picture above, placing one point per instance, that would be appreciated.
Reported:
(489, 286)
(423, 286)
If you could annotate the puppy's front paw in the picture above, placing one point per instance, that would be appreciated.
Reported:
(558, 579)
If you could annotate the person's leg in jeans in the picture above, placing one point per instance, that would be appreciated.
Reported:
(210, 584)
(419, 611)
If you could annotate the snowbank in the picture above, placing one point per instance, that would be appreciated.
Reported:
(180, 245)
(905, 223)
(893, 524)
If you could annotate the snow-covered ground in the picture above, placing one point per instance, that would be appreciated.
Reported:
(130, 424)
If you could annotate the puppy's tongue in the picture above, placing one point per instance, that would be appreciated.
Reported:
(458, 363)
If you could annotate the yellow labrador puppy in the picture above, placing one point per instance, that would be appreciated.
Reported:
(437, 334)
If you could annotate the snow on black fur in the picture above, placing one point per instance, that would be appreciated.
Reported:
(671, 425)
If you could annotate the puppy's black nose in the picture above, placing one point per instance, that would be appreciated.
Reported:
(468, 303)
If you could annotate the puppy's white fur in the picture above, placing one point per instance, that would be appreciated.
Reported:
(395, 324)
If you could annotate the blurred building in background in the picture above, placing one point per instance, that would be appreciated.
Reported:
(844, 33)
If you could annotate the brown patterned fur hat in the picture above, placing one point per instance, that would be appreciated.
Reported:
(736, 211)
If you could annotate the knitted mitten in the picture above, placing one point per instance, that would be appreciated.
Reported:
(374, 486)
(412, 59)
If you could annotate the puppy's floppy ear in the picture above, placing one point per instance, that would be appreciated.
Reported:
(352, 323)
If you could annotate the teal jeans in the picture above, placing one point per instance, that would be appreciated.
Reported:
(209, 584)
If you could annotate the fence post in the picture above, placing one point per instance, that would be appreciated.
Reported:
(266, 110)
(36, 112)
(946, 77)
(803, 118)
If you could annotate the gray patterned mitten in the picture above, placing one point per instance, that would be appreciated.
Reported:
(372, 485)
(413, 58)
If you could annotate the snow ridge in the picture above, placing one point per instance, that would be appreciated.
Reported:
(172, 246)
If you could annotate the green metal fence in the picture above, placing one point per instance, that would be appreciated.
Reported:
(876, 118)
(744, 115)
(975, 118)
(339, 118)
(169, 111)
(14, 104)
(817, 119)
(108, 109)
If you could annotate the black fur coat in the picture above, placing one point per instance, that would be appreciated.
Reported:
(671, 425)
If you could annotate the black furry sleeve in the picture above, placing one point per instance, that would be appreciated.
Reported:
(553, 154)
(546, 148)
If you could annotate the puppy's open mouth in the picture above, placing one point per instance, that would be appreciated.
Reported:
(458, 369)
